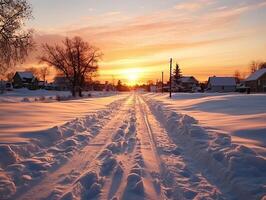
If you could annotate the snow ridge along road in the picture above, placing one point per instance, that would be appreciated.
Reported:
(136, 149)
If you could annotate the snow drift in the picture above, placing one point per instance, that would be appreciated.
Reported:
(23, 163)
(235, 168)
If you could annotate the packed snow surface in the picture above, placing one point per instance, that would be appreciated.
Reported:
(241, 116)
(134, 146)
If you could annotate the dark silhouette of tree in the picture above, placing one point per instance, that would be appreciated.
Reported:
(256, 65)
(262, 65)
(75, 58)
(119, 85)
(122, 87)
(15, 41)
(9, 76)
(44, 72)
(177, 75)
(237, 76)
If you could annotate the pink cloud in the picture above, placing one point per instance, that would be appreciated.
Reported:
(124, 37)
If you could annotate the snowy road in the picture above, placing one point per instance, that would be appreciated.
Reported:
(139, 150)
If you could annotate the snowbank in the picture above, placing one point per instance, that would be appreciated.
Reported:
(236, 168)
(22, 163)
(17, 119)
(26, 95)
(241, 116)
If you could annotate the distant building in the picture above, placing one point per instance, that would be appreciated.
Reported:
(42, 84)
(221, 84)
(189, 83)
(24, 79)
(153, 88)
(61, 83)
(5, 85)
(256, 82)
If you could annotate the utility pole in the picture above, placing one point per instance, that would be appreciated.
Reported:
(171, 62)
(162, 82)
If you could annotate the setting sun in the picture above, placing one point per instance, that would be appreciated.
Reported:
(132, 75)
(132, 78)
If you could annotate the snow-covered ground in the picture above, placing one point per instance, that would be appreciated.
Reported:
(134, 146)
(25, 95)
(241, 116)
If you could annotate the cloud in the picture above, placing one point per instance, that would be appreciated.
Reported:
(153, 49)
(193, 5)
(147, 40)
(188, 6)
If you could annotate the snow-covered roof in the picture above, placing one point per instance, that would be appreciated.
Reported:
(25, 75)
(187, 79)
(256, 75)
(222, 81)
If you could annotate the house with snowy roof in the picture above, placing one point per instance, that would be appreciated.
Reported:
(221, 84)
(24, 79)
(256, 82)
(189, 83)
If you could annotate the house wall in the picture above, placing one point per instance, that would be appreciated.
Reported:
(17, 82)
(258, 85)
(262, 84)
(222, 88)
(153, 89)
(252, 85)
(188, 86)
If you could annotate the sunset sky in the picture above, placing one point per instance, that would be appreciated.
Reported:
(138, 37)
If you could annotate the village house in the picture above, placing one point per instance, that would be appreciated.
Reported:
(61, 83)
(221, 84)
(24, 79)
(256, 82)
(189, 83)
(5, 85)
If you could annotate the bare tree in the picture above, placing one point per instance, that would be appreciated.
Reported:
(244, 75)
(254, 66)
(75, 58)
(34, 70)
(44, 72)
(9, 76)
(237, 76)
(262, 65)
(15, 41)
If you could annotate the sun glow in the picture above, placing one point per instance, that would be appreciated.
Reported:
(132, 75)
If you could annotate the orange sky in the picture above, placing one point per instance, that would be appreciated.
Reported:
(206, 37)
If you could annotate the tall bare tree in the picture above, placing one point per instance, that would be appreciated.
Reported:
(75, 58)
(44, 72)
(15, 40)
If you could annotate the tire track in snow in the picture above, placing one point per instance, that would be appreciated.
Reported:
(57, 182)
(115, 185)
(180, 177)
(138, 174)
(152, 161)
